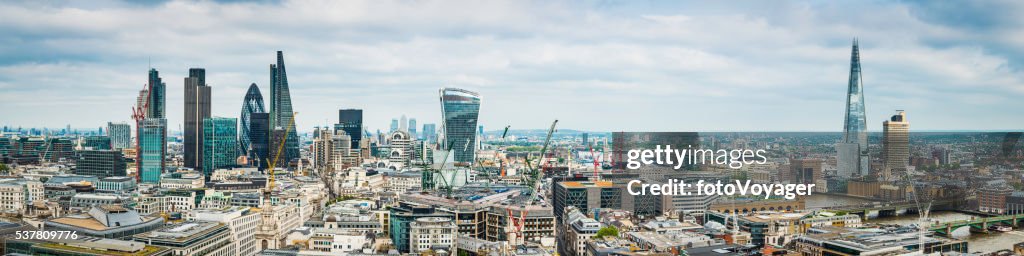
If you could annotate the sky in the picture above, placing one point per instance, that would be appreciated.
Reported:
(593, 65)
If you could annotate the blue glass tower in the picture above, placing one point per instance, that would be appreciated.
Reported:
(852, 158)
(253, 103)
(460, 110)
(153, 147)
(157, 95)
(220, 137)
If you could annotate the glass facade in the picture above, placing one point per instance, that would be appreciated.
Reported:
(351, 121)
(253, 103)
(100, 163)
(152, 149)
(281, 113)
(853, 149)
(259, 136)
(157, 95)
(460, 110)
(219, 143)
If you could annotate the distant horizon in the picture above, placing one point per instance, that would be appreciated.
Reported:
(560, 130)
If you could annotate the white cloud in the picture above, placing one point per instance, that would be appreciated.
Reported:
(594, 66)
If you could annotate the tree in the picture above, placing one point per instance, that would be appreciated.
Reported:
(607, 231)
(4, 169)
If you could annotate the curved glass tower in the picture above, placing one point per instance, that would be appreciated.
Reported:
(253, 103)
(853, 149)
(460, 110)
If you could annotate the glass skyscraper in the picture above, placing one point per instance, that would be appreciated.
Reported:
(852, 151)
(253, 103)
(157, 95)
(259, 139)
(220, 139)
(351, 121)
(429, 132)
(460, 110)
(281, 113)
(152, 149)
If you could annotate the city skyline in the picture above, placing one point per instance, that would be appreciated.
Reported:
(950, 77)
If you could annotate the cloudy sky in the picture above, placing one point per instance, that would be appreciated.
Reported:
(594, 65)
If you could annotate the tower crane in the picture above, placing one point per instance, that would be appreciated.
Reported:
(277, 156)
(139, 114)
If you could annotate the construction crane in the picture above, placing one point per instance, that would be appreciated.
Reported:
(139, 114)
(514, 229)
(428, 179)
(501, 168)
(277, 156)
(532, 176)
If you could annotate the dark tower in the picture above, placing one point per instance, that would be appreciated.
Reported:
(351, 121)
(197, 108)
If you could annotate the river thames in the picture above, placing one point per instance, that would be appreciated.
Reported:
(977, 242)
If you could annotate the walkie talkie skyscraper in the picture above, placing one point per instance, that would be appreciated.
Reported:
(459, 111)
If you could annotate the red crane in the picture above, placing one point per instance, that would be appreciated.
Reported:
(139, 114)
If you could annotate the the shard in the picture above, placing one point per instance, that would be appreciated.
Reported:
(852, 150)
(281, 114)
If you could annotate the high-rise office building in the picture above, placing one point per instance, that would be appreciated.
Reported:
(120, 135)
(322, 139)
(100, 163)
(403, 124)
(253, 103)
(220, 136)
(259, 139)
(412, 128)
(281, 113)
(394, 125)
(351, 121)
(429, 132)
(197, 108)
(152, 149)
(157, 96)
(852, 151)
(460, 110)
(895, 145)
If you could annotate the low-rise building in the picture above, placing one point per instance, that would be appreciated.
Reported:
(241, 221)
(192, 238)
(435, 234)
(106, 221)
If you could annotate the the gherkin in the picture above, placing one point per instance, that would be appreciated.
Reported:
(253, 103)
